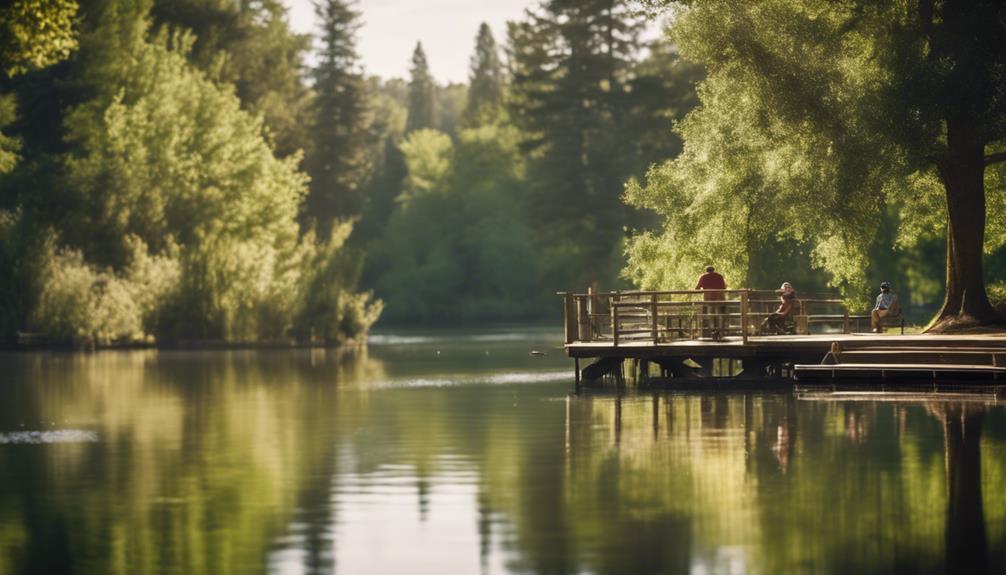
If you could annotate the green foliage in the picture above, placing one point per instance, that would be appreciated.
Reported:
(590, 114)
(339, 162)
(82, 304)
(328, 308)
(458, 247)
(35, 34)
(816, 119)
(250, 45)
(172, 217)
(171, 156)
(450, 106)
(388, 169)
(422, 93)
(9, 146)
(428, 155)
(486, 82)
(22, 250)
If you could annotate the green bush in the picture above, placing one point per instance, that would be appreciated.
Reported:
(83, 304)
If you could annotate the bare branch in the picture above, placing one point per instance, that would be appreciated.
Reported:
(995, 158)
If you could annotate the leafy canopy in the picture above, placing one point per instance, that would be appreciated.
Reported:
(815, 116)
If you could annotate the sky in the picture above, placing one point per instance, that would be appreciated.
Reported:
(447, 29)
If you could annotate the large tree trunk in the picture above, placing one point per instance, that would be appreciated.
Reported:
(962, 171)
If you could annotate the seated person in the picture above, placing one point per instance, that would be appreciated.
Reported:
(778, 320)
(887, 306)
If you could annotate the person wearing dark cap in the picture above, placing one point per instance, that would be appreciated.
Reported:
(887, 305)
(712, 281)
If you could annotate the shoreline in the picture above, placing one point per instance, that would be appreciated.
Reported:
(187, 345)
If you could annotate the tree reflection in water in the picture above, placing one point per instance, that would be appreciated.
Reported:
(966, 545)
(313, 463)
(825, 486)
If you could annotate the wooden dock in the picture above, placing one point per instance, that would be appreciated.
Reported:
(681, 336)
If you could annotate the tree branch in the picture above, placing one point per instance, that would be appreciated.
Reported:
(995, 158)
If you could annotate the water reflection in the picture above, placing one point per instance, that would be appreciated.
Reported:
(966, 543)
(865, 480)
(314, 462)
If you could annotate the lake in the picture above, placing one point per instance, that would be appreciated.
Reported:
(459, 452)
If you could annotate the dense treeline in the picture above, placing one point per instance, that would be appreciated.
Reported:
(496, 203)
(153, 186)
(173, 172)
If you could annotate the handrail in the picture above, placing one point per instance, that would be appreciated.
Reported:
(670, 315)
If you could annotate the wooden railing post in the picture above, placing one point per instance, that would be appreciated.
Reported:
(614, 318)
(583, 319)
(744, 316)
(653, 311)
(568, 317)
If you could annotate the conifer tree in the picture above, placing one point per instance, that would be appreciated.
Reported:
(571, 61)
(422, 95)
(485, 90)
(339, 162)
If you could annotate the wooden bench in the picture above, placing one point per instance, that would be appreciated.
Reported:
(885, 322)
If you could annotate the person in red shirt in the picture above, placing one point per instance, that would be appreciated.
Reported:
(712, 281)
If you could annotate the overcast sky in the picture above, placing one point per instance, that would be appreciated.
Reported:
(446, 28)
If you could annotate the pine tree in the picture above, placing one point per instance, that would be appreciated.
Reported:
(339, 162)
(422, 110)
(571, 62)
(486, 82)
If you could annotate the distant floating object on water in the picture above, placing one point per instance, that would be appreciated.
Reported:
(536, 352)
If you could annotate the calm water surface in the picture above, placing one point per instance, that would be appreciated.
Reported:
(455, 452)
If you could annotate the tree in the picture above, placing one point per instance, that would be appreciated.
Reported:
(339, 162)
(571, 61)
(250, 45)
(422, 97)
(831, 110)
(35, 34)
(168, 213)
(388, 169)
(485, 79)
(480, 262)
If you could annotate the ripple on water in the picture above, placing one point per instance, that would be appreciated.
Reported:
(50, 436)
(516, 377)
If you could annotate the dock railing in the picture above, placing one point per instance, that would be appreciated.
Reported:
(676, 315)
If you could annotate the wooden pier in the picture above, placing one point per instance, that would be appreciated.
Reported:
(679, 335)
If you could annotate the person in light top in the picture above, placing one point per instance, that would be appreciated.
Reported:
(887, 305)
(777, 321)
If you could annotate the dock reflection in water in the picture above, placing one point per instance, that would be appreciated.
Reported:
(448, 453)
